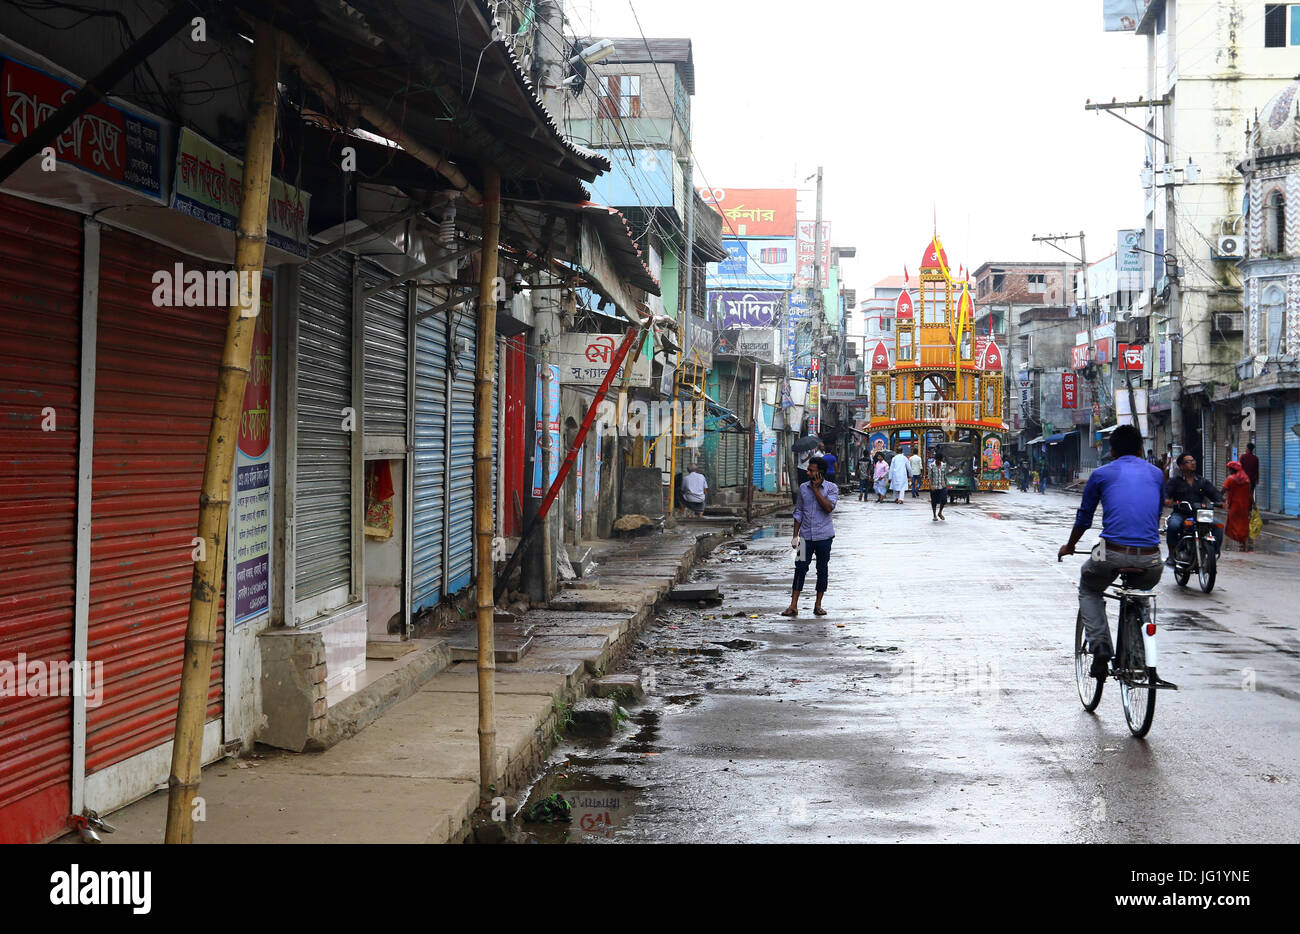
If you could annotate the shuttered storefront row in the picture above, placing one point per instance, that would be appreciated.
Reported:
(323, 475)
(155, 383)
(40, 349)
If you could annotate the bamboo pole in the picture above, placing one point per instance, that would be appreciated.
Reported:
(487, 346)
(214, 503)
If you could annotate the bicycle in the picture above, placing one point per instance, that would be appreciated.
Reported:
(1134, 664)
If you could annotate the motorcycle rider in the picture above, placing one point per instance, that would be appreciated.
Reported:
(1188, 486)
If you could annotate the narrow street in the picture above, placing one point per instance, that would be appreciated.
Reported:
(937, 701)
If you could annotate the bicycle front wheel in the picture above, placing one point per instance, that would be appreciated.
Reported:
(1135, 692)
(1089, 687)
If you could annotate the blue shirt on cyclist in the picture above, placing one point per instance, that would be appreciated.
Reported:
(1131, 492)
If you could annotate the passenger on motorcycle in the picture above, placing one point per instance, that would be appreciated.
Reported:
(1188, 487)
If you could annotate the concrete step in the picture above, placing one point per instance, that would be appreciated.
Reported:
(581, 558)
(506, 649)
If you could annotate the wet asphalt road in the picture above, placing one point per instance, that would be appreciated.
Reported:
(937, 701)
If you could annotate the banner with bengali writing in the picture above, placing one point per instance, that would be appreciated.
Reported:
(208, 187)
(251, 509)
(105, 140)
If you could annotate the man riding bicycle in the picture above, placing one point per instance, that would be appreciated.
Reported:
(1131, 492)
(1187, 487)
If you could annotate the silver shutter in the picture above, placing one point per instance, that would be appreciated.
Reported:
(1276, 458)
(430, 454)
(460, 535)
(323, 491)
(386, 341)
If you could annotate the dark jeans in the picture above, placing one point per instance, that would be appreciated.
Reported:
(821, 550)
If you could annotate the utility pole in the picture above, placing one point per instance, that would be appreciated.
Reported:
(1082, 259)
(817, 304)
(551, 59)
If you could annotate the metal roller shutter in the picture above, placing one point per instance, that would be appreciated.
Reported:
(1291, 461)
(460, 512)
(386, 344)
(323, 491)
(155, 383)
(430, 455)
(1273, 465)
(40, 349)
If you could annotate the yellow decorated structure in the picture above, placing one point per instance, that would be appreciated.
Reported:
(945, 383)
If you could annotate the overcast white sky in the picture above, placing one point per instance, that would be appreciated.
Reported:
(973, 108)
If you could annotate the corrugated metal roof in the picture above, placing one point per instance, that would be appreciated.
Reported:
(662, 51)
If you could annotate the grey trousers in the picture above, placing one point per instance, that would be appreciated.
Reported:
(1096, 576)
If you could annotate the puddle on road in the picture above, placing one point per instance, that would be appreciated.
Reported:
(598, 804)
(767, 531)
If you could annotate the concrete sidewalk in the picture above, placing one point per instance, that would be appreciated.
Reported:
(411, 776)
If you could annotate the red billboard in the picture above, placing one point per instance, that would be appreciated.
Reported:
(1131, 356)
(754, 212)
(1069, 391)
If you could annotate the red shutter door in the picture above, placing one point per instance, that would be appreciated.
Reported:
(516, 429)
(156, 378)
(40, 349)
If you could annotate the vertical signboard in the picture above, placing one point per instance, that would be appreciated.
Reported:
(548, 401)
(1069, 391)
(807, 244)
(251, 536)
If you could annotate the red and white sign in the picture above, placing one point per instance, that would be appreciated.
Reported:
(815, 367)
(1078, 356)
(880, 357)
(841, 388)
(805, 247)
(903, 307)
(1103, 345)
(1069, 391)
(1131, 356)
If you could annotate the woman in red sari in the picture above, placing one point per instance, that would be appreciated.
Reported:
(1236, 491)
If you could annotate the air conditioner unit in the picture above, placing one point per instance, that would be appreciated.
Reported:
(1229, 323)
(1228, 247)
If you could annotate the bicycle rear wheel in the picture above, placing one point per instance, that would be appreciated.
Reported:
(1089, 687)
(1135, 693)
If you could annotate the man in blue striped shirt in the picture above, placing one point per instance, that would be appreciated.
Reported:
(1131, 493)
(813, 532)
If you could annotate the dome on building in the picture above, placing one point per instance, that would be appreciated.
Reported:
(1278, 123)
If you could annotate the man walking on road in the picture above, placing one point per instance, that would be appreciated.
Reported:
(898, 469)
(1250, 467)
(813, 533)
(1131, 493)
(938, 487)
(914, 467)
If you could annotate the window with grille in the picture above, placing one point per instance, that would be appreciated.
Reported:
(620, 96)
(933, 297)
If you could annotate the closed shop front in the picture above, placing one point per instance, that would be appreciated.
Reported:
(323, 525)
(40, 350)
(516, 431)
(155, 383)
(430, 469)
(1270, 447)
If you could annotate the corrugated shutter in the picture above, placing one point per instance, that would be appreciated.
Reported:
(155, 383)
(323, 493)
(386, 345)
(1273, 464)
(430, 455)
(460, 529)
(40, 349)
(1291, 461)
(758, 463)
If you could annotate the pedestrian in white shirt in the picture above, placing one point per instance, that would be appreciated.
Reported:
(694, 486)
(898, 468)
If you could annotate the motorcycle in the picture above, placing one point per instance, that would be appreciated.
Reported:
(1196, 550)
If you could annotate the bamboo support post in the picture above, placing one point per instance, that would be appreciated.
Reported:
(483, 525)
(214, 502)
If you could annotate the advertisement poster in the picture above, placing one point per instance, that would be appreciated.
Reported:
(797, 345)
(841, 388)
(807, 240)
(553, 429)
(251, 536)
(584, 359)
(754, 212)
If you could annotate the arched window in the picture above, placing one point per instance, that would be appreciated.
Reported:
(1275, 224)
(1272, 308)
